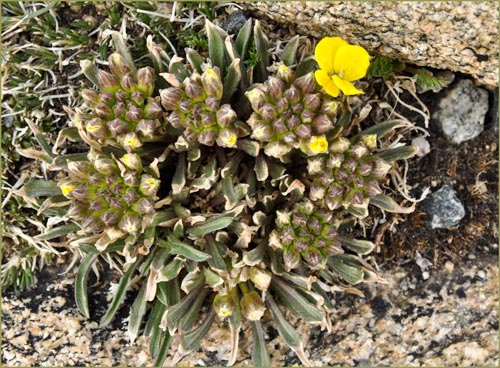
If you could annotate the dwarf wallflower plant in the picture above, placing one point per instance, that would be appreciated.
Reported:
(340, 64)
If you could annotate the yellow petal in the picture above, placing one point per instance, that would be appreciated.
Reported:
(318, 145)
(346, 87)
(351, 62)
(326, 82)
(325, 52)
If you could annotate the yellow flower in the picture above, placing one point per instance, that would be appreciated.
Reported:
(318, 145)
(340, 64)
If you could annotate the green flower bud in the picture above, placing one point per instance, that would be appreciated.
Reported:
(107, 81)
(212, 84)
(118, 65)
(252, 306)
(285, 74)
(146, 80)
(149, 185)
(223, 305)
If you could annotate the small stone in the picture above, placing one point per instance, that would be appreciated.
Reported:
(234, 21)
(481, 274)
(423, 146)
(444, 208)
(462, 111)
(425, 275)
(449, 266)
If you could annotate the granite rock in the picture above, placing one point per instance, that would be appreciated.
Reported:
(461, 112)
(444, 208)
(458, 36)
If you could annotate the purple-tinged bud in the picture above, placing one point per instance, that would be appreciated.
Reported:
(190, 135)
(357, 198)
(289, 138)
(267, 112)
(149, 185)
(372, 188)
(90, 97)
(225, 116)
(185, 105)
(350, 164)
(117, 127)
(312, 102)
(92, 225)
(170, 98)
(117, 189)
(107, 81)
(175, 119)
(130, 196)
(77, 210)
(314, 225)
(144, 206)
(341, 175)
(329, 108)
(147, 128)
(307, 116)
(358, 182)
(96, 128)
(95, 178)
(261, 132)
(102, 110)
(119, 109)
(130, 179)
(257, 97)
(212, 103)
(80, 193)
(333, 203)
(321, 243)
(286, 236)
(307, 83)
(252, 306)
(114, 202)
(292, 94)
(335, 191)
(293, 122)
(111, 180)
(121, 95)
(364, 168)
(128, 82)
(303, 131)
(153, 110)
(282, 105)
(134, 113)
(110, 217)
(315, 165)
(103, 164)
(380, 167)
(275, 87)
(146, 80)
(291, 259)
(130, 223)
(96, 205)
(299, 220)
(322, 124)
(207, 119)
(78, 169)
(207, 137)
(313, 258)
(212, 84)
(279, 126)
(137, 97)
(130, 141)
(118, 65)
(107, 97)
(193, 89)
(316, 191)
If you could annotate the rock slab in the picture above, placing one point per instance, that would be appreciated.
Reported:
(462, 111)
(444, 208)
(460, 36)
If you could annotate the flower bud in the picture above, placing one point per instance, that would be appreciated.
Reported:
(315, 165)
(252, 306)
(312, 101)
(370, 140)
(380, 167)
(149, 185)
(152, 110)
(130, 179)
(304, 132)
(95, 178)
(275, 87)
(119, 109)
(285, 74)
(372, 188)
(133, 114)
(130, 141)
(128, 82)
(292, 94)
(92, 225)
(137, 97)
(293, 122)
(329, 108)
(350, 164)
(267, 112)
(207, 137)
(307, 116)
(185, 105)
(96, 205)
(103, 164)
(118, 65)
(291, 259)
(78, 169)
(226, 138)
(260, 278)
(80, 193)
(261, 132)
(77, 210)
(175, 119)
(121, 95)
(146, 80)
(102, 110)
(322, 124)
(306, 83)
(257, 97)
(143, 206)
(117, 127)
(110, 217)
(316, 191)
(359, 150)
(90, 97)
(225, 116)
(107, 81)
(313, 258)
(340, 145)
(130, 196)
(212, 83)
(364, 168)
(223, 305)
(132, 161)
(279, 126)
(193, 89)
(147, 128)
(212, 103)
(130, 223)
(67, 187)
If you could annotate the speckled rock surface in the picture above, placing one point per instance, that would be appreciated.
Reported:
(459, 36)
(448, 319)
